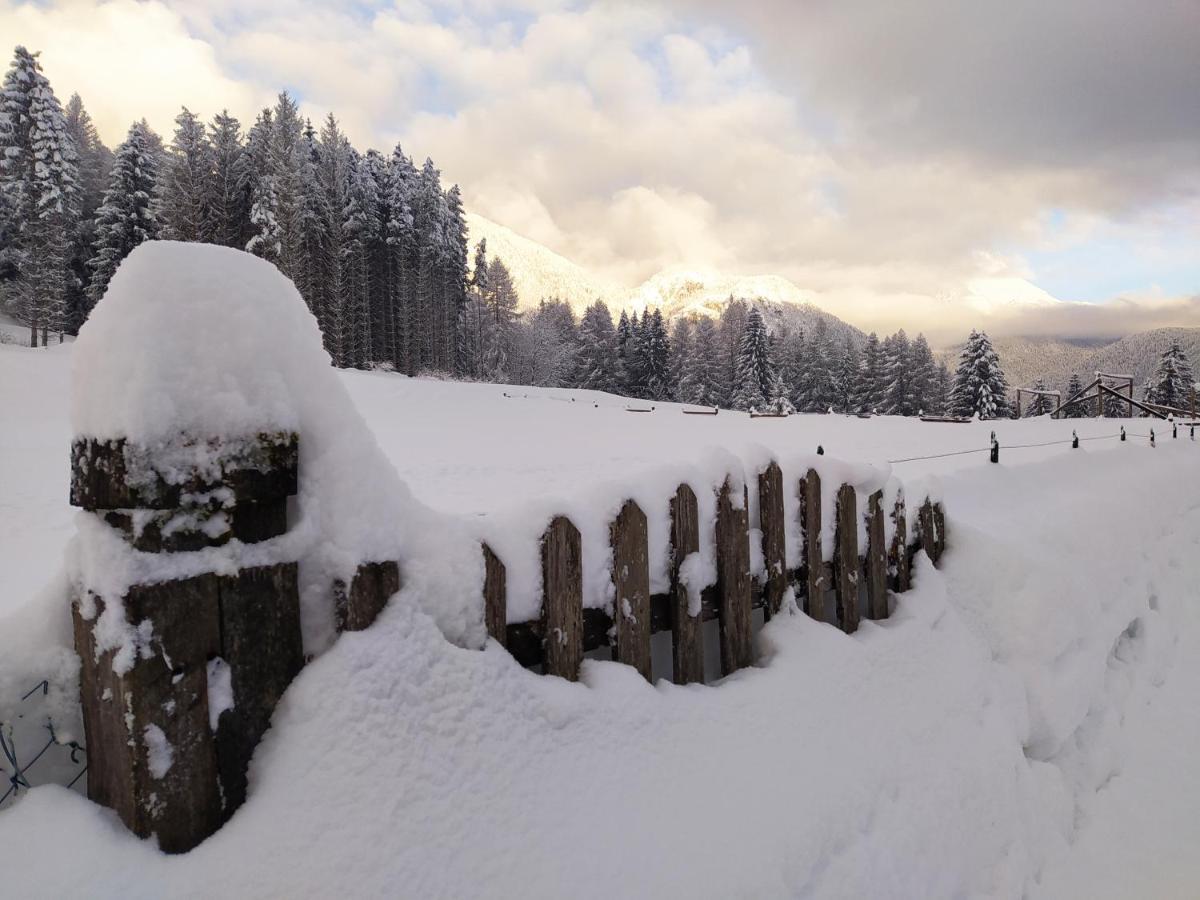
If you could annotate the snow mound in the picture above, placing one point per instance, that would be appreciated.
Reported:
(206, 342)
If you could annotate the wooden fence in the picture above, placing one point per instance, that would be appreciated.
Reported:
(566, 630)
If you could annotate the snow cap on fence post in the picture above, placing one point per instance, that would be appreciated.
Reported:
(187, 633)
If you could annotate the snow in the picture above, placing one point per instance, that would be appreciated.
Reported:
(1022, 725)
(220, 690)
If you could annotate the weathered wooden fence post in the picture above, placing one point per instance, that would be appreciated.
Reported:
(898, 557)
(171, 723)
(877, 592)
(562, 599)
(939, 526)
(495, 596)
(814, 566)
(770, 518)
(356, 608)
(845, 559)
(926, 531)
(631, 581)
(733, 581)
(686, 630)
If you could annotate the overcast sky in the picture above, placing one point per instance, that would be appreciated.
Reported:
(910, 162)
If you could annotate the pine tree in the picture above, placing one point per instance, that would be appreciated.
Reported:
(656, 354)
(730, 328)
(598, 364)
(901, 397)
(502, 304)
(40, 179)
(186, 182)
(756, 380)
(128, 215)
(846, 375)
(1173, 381)
(681, 348)
(454, 275)
(94, 164)
(1075, 410)
(1040, 405)
(701, 377)
(943, 384)
(266, 236)
(871, 386)
(924, 376)
(819, 392)
(230, 186)
(980, 388)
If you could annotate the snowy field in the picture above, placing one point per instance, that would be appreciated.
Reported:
(1023, 726)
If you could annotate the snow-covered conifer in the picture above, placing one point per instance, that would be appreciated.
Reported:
(980, 387)
(128, 215)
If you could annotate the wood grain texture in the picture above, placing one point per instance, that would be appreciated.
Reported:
(733, 582)
(898, 558)
(631, 584)
(687, 630)
(811, 562)
(771, 523)
(876, 559)
(845, 559)
(562, 599)
(495, 596)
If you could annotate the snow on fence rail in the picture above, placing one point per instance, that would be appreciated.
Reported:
(857, 580)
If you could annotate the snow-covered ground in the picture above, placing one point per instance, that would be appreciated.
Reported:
(1022, 726)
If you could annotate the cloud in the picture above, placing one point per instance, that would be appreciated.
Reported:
(900, 161)
(128, 60)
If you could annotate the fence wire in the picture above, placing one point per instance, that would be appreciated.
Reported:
(57, 762)
(1003, 447)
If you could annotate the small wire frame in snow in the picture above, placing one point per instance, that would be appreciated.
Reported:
(15, 773)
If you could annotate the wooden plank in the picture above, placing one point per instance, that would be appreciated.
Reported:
(562, 599)
(939, 526)
(687, 630)
(845, 559)
(631, 581)
(876, 563)
(495, 596)
(898, 557)
(373, 584)
(733, 582)
(810, 523)
(925, 530)
(770, 521)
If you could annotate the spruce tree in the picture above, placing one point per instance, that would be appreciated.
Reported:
(980, 388)
(732, 324)
(681, 348)
(656, 357)
(1040, 405)
(1075, 410)
(901, 397)
(870, 395)
(598, 370)
(230, 185)
(40, 179)
(94, 163)
(700, 379)
(129, 214)
(1172, 381)
(846, 377)
(266, 235)
(924, 376)
(186, 182)
(756, 381)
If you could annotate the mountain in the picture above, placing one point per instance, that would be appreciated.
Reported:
(1054, 360)
(539, 273)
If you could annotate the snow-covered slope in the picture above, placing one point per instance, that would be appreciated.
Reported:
(1022, 726)
(1026, 359)
(538, 272)
(541, 273)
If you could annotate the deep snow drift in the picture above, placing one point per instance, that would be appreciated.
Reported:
(1021, 726)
